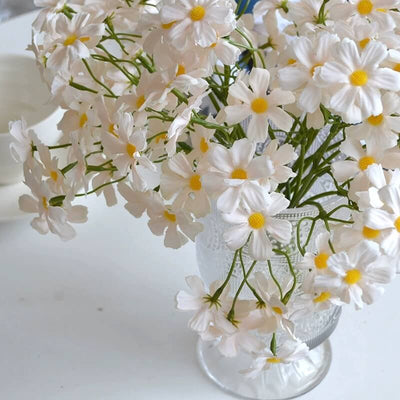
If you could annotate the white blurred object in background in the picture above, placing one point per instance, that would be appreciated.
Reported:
(11, 8)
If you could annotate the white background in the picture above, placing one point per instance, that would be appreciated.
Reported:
(94, 319)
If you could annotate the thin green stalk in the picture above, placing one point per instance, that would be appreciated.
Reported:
(288, 295)
(274, 279)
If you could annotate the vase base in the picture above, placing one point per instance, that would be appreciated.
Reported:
(281, 381)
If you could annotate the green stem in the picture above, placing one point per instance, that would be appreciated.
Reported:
(274, 279)
(288, 295)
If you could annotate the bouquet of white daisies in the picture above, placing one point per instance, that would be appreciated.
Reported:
(181, 104)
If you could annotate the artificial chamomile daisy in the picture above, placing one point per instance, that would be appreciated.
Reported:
(259, 105)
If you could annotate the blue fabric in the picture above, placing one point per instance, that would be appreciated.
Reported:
(249, 8)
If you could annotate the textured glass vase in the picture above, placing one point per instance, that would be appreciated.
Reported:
(281, 381)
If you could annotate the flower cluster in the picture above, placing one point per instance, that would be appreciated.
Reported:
(176, 105)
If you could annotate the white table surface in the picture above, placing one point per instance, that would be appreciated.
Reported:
(94, 318)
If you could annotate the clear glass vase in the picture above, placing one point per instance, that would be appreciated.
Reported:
(281, 381)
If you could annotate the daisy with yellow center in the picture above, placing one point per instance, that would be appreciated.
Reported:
(287, 352)
(380, 130)
(125, 144)
(181, 182)
(196, 22)
(356, 77)
(317, 263)
(360, 160)
(257, 222)
(235, 174)
(258, 105)
(75, 38)
(311, 52)
(356, 275)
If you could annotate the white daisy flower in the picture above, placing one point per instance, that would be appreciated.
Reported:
(358, 274)
(206, 314)
(197, 21)
(264, 6)
(387, 220)
(379, 11)
(259, 105)
(380, 131)
(257, 219)
(304, 14)
(316, 263)
(150, 92)
(310, 55)
(55, 219)
(182, 118)
(78, 177)
(79, 117)
(274, 313)
(221, 50)
(247, 320)
(363, 31)
(49, 169)
(357, 80)
(201, 143)
(347, 236)
(125, 148)
(277, 159)
(137, 202)
(290, 351)
(22, 143)
(75, 38)
(183, 182)
(50, 8)
(376, 179)
(362, 159)
(177, 226)
(234, 173)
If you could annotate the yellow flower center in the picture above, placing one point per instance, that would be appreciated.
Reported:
(84, 39)
(375, 120)
(45, 204)
(274, 360)
(83, 120)
(195, 183)
(181, 70)
(321, 261)
(369, 233)
(213, 45)
(140, 101)
(168, 26)
(364, 7)
(364, 42)
(358, 78)
(111, 129)
(353, 276)
(278, 310)
(239, 173)
(314, 67)
(204, 146)
(170, 217)
(365, 162)
(259, 105)
(54, 176)
(397, 224)
(130, 149)
(197, 13)
(397, 67)
(162, 137)
(70, 40)
(291, 61)
(256, 220)
(324, 296)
